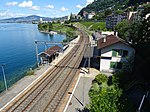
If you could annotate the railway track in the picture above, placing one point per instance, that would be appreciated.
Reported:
(46, 94)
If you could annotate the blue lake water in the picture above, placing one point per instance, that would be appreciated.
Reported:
(17, 49)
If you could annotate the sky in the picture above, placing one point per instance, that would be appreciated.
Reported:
(45, 8)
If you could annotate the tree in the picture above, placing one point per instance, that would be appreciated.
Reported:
(101, 78)
(108, 12)
(50, 26)
(106, 100)
(123, 29)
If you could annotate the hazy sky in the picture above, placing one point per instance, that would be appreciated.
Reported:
(46, 8)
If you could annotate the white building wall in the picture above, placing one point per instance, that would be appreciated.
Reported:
(105, 64)
(107, 52)
(90, 16)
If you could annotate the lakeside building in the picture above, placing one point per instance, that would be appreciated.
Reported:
(113, 20)
(74, 17)
(49, 55)
(87, 15)
(98, 34)
(90, 15)
(114, 52)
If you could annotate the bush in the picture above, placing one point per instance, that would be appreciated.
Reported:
(101, 78)
(30, 72)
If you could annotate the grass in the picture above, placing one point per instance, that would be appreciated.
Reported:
(87, 24)
(95, 25)
(62, 28)
(84, 28)
(70, 31)
(98, 26)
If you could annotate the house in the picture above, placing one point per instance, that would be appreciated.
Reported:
(49, 55)
(114, 52)
(101, 34)
(85, 15)
(90, 15)
(113, 20)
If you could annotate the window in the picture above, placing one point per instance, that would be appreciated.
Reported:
(115, 65)
(112, 65)
(119, 53)
(114, 52)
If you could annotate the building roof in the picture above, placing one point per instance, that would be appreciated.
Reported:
(110, 40)
(51, 50)
(97, 34)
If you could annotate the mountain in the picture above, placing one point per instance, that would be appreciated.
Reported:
(28, 19)
(101, 5)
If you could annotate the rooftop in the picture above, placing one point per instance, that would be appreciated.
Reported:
(51, 50)
(109, 40)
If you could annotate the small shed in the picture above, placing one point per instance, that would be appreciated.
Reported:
(49, 55)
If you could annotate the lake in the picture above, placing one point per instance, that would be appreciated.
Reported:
(17, 49)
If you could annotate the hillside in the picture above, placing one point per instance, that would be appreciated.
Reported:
(99, 6)
(30, 19)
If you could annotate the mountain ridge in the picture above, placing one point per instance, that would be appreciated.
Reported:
(99, 6)
(29, 19)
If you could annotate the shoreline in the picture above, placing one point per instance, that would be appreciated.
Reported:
(19, 86)
(57, 32)
(51, 32)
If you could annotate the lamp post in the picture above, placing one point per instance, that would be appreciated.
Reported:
(3, 71)
(37, 53)
(76, 98)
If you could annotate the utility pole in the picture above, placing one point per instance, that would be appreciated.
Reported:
(45, 46)
(4, 76)
(37, 53)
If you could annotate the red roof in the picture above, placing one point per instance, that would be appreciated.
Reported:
(52, 50)
(110, 40)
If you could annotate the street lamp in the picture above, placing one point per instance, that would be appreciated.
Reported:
(4, 76)
(76, 98)
(36, 47)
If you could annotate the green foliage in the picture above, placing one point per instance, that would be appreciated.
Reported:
(87, 24)
(30, 72)
(106, 100)
(109, 98)
(95, 25)
(50, 26)
(102, 8)
(45, 26)
(123, 29)
(101, 78)
(67, 22)
(99, 26)
(100, 16)
(95, 87)
(119, 12)
(137, 31)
